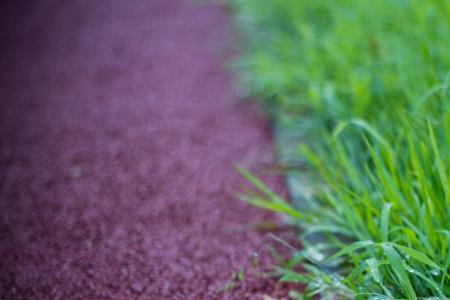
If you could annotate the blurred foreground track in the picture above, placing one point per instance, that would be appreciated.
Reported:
(118, 137)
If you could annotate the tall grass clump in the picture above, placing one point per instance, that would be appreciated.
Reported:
(368, 83)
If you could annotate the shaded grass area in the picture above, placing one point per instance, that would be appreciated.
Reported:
(366, 84)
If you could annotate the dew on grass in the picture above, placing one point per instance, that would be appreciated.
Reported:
(409, 269)
(337, 283)
(435, 272)
(316, 255)
(373, 266)
(317, 284)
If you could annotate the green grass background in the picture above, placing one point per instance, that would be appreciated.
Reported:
(367, 83)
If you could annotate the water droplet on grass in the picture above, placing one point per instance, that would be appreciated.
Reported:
(435, 272)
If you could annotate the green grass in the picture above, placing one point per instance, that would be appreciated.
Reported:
(368, 83)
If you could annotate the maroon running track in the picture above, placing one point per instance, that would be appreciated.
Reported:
(119, 133)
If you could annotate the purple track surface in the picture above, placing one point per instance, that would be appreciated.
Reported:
(119, 134)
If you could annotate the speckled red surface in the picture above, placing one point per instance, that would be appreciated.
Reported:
(119, 132)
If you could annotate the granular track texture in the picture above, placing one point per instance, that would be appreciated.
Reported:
(119, 134)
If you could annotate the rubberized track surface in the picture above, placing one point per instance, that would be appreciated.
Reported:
(119, 134)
